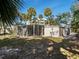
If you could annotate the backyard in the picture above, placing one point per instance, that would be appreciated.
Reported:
(45, 48)
(39, 29)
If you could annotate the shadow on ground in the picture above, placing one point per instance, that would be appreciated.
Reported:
(44, 48)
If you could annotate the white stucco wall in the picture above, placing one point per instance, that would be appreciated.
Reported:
(51, 31)
(47, 31)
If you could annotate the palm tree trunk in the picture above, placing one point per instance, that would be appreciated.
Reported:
(34, 29)
(4, 29)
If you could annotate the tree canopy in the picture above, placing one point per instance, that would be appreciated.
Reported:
(75, 22)
(31, 11)
(47, 12)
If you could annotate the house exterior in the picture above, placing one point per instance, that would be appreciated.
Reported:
(52, 31)
(31, 28)
(38, 28)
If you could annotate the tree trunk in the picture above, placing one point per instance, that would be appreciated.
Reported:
(4, 29)
(34, 30)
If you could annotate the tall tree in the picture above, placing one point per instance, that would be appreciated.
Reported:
(23, 16)
(62, 18)
(26, 16)
(31, 12)
(64, 21)
(47, 12)
(75, 22)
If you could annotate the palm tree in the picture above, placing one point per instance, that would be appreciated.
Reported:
(25, 17)
(48, 13)
(9, 11)
(29, 15)
(32, 12)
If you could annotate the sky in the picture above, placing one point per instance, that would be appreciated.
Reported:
(57, 6)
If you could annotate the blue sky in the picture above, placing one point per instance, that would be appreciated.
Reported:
(57, 6)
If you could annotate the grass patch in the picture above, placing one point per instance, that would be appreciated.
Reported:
(57, 40)
(13, 42)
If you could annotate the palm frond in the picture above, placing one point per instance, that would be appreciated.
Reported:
(9, 10)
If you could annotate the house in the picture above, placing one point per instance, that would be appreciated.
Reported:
(51, 30)
(38, 27)
(31, 28)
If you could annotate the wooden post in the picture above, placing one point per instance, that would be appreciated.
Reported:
(34, 30)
